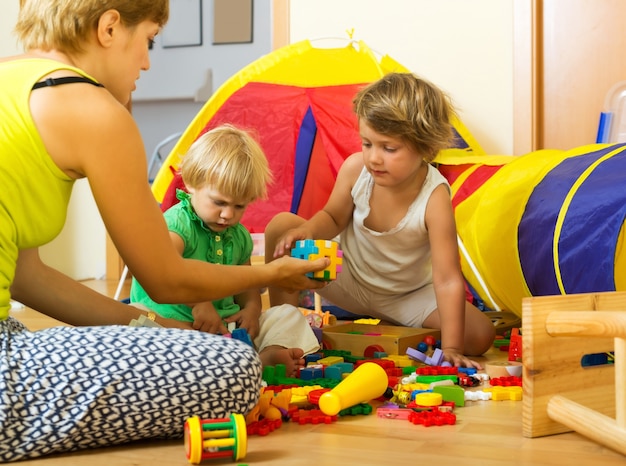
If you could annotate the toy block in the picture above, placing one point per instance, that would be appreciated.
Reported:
(263, 427)
(312, 358)
(338, 371)
(362, 409)
(312, 416)
(310, 249)
(560, 394)
(400, 360)
(506, 381)
(310, 373)
(515, 347)
(505, 393)
(437, 370)
(241, 334)
(333, 372)
(330, 360)
(435, 378)
(428, 399)
(432, 418)
(452, 393)
(355, 338)
(478, 395)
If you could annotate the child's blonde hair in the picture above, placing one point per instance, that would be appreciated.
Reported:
(404, 106)
(65, 25)
(229, 160)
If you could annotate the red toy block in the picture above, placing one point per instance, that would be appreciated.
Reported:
(312, 416)
(263, 427)
(432, 418)
(437, 370)
(510, 381)
(515, 346)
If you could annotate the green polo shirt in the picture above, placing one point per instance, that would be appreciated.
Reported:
(232, 246)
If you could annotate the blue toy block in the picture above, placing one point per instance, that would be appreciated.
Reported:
(309, 249)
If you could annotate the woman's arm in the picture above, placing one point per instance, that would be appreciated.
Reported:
(101, 141)
(47, 290)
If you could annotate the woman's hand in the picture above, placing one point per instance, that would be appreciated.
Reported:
(291, 273)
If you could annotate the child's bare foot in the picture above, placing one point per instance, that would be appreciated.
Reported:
(292, 358)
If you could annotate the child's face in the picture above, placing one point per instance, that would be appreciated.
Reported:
(390, 160)
(216, 210)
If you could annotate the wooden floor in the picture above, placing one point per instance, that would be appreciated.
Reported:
(486, 433)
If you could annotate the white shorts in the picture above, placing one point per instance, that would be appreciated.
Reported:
(408, 309)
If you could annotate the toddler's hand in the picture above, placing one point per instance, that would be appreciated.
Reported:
(458, 359)
(206, 319)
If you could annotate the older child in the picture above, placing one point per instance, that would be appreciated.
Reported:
(393, 212)
(224, 171)
(63, 116)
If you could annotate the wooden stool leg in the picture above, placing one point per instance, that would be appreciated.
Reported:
(598, 427)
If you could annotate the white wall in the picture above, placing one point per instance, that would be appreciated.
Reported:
(80, 250)
(164, 102)
(8, 44)
(465, 47)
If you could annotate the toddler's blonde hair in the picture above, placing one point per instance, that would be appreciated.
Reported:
(231, 161)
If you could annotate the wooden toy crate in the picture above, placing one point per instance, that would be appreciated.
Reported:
(560, 394)
(356, 337)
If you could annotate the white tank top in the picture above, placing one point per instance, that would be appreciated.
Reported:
(395, 261)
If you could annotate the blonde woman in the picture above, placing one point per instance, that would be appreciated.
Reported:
(63, 117)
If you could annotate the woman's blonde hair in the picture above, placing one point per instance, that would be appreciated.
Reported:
(231, 161)
(404, 106)
(65, 25)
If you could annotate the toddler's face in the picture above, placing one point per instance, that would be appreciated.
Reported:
(216, 210)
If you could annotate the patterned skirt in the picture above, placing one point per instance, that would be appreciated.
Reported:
(70, 388)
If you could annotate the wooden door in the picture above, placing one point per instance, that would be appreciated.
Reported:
(581, 55)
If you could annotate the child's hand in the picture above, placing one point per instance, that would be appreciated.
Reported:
(206, 319)
(458, 359)
(286, 242)
(247, 319)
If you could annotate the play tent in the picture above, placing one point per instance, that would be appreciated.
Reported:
(546, 223)
(297, 100)
(549, 222)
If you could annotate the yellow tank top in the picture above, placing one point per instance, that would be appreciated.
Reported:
(34, 192)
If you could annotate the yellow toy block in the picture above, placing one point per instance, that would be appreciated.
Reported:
(505, 393)
(310, 249)
(329, 360)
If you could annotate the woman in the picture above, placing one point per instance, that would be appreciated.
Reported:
(63, 117)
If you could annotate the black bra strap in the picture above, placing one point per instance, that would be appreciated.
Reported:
(66, 80)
